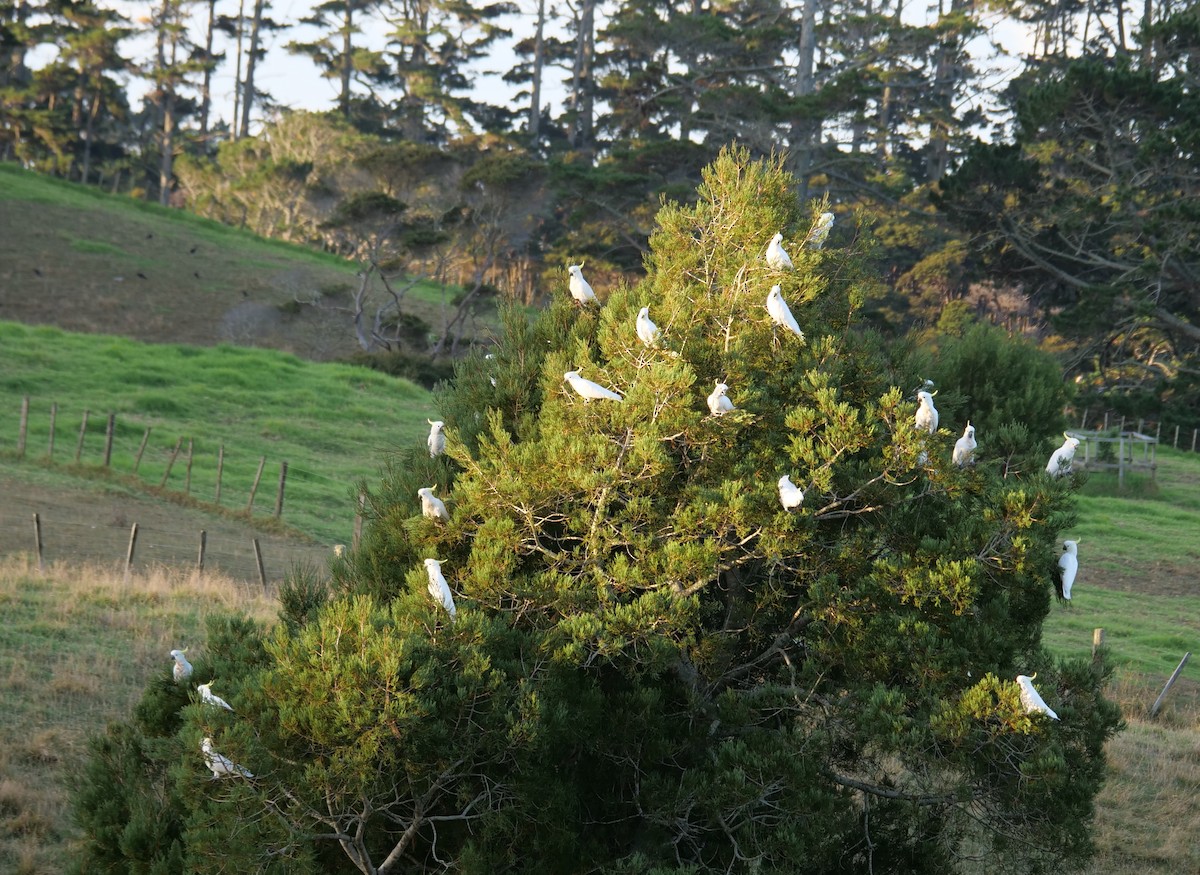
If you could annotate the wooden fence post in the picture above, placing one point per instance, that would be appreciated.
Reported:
(220, 471)
(1176, 443)
(170, 463)
(82, 432)
(254, 487)
(1194, 431)
(1171, 680)
(108, 438)
(279, 495)
(137, 460)
(1097, 643)
(187, 481)
(200, 555)
(262, 573)
(22, 427)
(53, 416)
(37, 540)
(129, 554)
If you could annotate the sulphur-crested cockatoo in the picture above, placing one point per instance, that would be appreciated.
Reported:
(1061, 459)
(647, 331)
(1030, 699)
(221, 767)
(431, 505)
(437, 440)
(587, 389)
(438, 588)
(926, 418)
(718, 401)
(209, 698)
(781, 314)
(964, 447)
(820, 231)
(581, 289)
(777, 257)
(791, 496)
(182, 670)
(1068, 565)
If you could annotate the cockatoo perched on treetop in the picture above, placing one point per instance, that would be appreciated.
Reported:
(1060, 461)
(437, 440)
(581, 290)
(790, 495)
(1030, 700)
(209, 698)
(647, 331)
(777, 257)
(438, 588)
(221, 767)
(781, 314)
(182, 670)
(431, 505)
(1068, 565)
(718, 401)
(926, 417)
(964, 447)
(820, 231)
(587, 389)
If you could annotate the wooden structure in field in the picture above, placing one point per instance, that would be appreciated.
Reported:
(1118, 451)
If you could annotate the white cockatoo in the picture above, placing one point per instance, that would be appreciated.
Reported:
(781, 314)
(490, 358)
(182, 670)
(220, 766)
(209, 698)
(1068, 565)
(1030, 699)
(926, 418)
(718, 401)
(777, 257)
(964, 447)
(437, 440)
(431, 505)
(1061, 459)
(581, 289)
(820, 231)
(438, 588)
(587, 389)
(647, 331)
(791, 496)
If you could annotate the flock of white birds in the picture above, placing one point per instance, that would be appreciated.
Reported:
(220, 766)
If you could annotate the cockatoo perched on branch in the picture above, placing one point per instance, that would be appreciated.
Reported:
(438, 588)
(437, 440)
(209, 698)
(647, 331)
(431, 505)
(718, 401)
(182, 670)
(1031, 701)
(1068, 565)
(587, 389)
(221, 767)
(820, 231)
(791, 496)
(964, 447)
(581, 289)
(781, 314)
(926, 417)
(1061, 459)
(777, 257)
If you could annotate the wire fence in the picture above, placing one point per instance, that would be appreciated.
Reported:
(1165, 433)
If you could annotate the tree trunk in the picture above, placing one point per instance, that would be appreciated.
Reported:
(237, 72)
(947, 74)
(347, 58)
(582, 85)
(206, 87)
(251, 61)
(535, 88)
(805, 132)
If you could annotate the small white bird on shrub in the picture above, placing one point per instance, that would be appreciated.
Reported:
(581, 289)
(220, 766)
(1061, 459)
(781, 314)
(964, 447)
(437, 440)
(431, 505)
(777, 257)
(587, 389)
(1068, 565)
(926, 417)
(791, 496)
(182, 670)
(718, 401)
(438, 588)
(820, 231)
(1030, 699)
(647, 331)
(209, 698)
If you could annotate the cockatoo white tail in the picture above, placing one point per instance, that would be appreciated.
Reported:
(820, 231)
(581, 289)
(1030, 699)
(182, 670)
(926, 417)
(718, 401)
(432, 506)
(220, 766)
(781, 314)
(777, 257)
(1061, 459)
(587, 389)
(437, 440)
(791, 496)
(647, 331)
(438, 588)
(209, 698)
(1068, 565)
(964, 447)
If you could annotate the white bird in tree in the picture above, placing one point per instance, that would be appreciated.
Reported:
(781, 314)
(718, 401)
(964, 447)
(221, 766)
(587, 389)
(438, 588)
(791, 496)
(647, 331)
(431, 505)
(926, 417)
(820, 231)
(182, 670)
(1062, 458)
(1030, 699)
(581, 289)
(1068, 565)
(209, 698)
(777, 257)
(437, 440)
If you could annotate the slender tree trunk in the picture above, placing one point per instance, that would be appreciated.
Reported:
(235, 128)
(805, 132)
(347, 58)
(582, 85)
(535, 88)
(947, 74)
(251, 60)
(206, 87)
